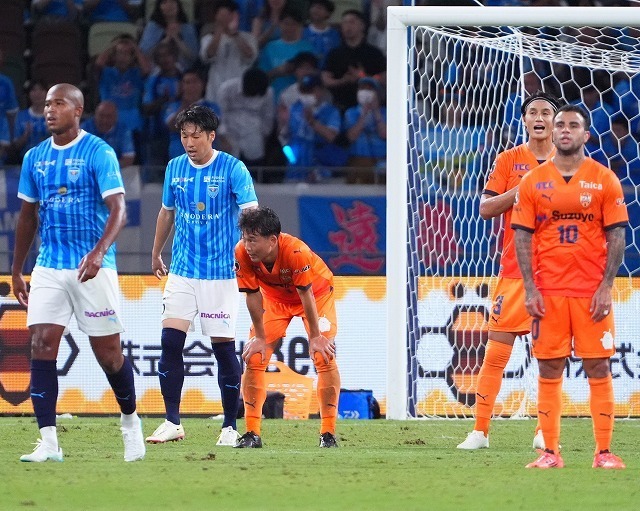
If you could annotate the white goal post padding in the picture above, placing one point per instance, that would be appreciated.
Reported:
(455, 77)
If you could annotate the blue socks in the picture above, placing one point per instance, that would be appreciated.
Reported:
(171, 371)
(124, 388)
(229, 374)
(44, 391)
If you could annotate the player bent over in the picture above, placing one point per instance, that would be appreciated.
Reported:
(71, 187)
(509, 317)
(283, 279)
(578, 231)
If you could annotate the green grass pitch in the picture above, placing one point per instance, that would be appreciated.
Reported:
(391, 465)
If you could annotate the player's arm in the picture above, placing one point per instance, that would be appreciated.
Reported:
(492, 206)
(601, 300)
(317, 341)
(26, 229)
(496, 198)
(92, 262)
(258, 343)
(164, 224)
(533, 298)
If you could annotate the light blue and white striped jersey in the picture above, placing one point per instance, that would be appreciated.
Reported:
(70, 183)
(207, 200)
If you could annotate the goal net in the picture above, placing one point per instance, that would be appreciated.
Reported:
(456, 80)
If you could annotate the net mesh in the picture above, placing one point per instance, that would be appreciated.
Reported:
(466, 89)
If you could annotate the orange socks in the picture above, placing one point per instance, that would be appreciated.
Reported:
(254, 392)
(550, 410)
(496, 358)
(328, 393)
(601, 403)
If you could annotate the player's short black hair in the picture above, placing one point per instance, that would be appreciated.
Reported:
(262, 221)
(579, 110)
(555, 102)
(200, 116)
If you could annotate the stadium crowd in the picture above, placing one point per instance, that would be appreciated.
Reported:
(298, 84)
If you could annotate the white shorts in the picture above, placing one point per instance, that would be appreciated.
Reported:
(216, 302)
(56, 294)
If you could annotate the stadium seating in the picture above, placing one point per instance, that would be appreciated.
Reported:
(101, 34)
(57, 53)
(12, 34)
(187, 5)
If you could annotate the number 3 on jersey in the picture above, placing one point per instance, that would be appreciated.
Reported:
(568, 233)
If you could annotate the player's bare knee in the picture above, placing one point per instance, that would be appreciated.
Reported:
(44, 343)
(597, 367)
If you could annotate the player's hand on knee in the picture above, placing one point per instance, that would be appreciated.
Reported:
(326, 347)
(253, 346)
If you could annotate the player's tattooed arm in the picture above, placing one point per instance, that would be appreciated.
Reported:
(534, 302)
(601, 302)
(522, 240)
(615, 252)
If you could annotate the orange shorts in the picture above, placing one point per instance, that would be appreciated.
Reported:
(567, 326)
(277, 317)
(508, 313)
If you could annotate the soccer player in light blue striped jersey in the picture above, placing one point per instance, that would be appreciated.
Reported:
(71, 188)
(204, 192)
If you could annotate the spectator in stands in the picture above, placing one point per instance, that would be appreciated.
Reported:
(450, 146)
(248, 11)
(619, 151)
(366, 128)
(314, 124)
(192, 88)
(248, 110)
(5, 140)
(122, 69)
(601, 113)
(322, 36)
(96, 11)
(625, 94)
(266, 27)
(30, 126)
(8, 100)
(304, 64)
(350, 61)
(168, 22)
(161, 88)
(377, 33)
(228, 50)
(275, 58)
(104, 124)
(51, 10)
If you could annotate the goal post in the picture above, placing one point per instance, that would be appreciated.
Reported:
(445, 252)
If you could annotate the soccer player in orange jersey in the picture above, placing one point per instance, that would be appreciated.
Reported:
(282, 279)
(570, 218)
(508, 317)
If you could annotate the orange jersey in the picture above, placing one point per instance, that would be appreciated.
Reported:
(296, 266)
(568, 222)
(506, 174)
